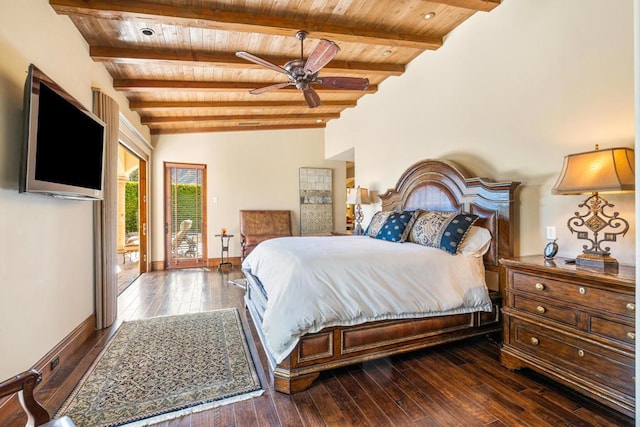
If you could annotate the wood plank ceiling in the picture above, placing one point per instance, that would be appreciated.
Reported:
(175, 59)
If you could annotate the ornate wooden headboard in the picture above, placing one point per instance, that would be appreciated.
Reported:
(440, 185)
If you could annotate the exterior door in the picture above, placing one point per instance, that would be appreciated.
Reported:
(185, 215)
(131, 217)
(142, 212)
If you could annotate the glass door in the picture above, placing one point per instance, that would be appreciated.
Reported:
(131, 217)
(185, 214)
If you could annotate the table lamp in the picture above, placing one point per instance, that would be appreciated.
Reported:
(358, 196)
(596, 172)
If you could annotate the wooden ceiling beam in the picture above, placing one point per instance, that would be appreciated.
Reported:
(164, 131)
(216, 19)
(145, 85)
(228, 60)
(151, 120)
(166, 105)
(479, 5)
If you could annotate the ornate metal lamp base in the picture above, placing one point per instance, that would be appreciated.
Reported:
(600, 261)
(358, 230)
(597, 221)
(358, 216)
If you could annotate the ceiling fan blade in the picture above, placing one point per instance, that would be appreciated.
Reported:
(256, 60)
(351, 83)
(312, 98)
(321, 55)
(270, 88)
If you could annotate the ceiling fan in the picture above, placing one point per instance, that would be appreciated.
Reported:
(303, 73)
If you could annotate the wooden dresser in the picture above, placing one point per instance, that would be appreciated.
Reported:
(574, 325)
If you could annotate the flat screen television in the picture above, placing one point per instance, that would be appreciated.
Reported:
(63, 144)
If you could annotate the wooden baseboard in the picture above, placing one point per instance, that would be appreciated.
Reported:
(211, 263)
(68, 346)
(157, 265)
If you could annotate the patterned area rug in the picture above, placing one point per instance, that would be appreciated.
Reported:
(165, 367)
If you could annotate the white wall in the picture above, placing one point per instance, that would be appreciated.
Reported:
(46, 256)
(245, 170)
(509, 94)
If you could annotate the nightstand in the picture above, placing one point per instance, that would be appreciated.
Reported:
(574, 325)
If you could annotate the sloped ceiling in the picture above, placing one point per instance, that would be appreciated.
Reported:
(175, 59)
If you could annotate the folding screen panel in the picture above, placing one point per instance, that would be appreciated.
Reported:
(316, 201)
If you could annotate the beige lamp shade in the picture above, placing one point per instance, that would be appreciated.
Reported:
(358, 196)
(598, 171)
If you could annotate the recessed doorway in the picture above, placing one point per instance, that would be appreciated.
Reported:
(131, 179)
(350, 184)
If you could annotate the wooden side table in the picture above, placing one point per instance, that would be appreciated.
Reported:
(224, 251)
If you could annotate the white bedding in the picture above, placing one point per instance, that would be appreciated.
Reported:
(317, 282)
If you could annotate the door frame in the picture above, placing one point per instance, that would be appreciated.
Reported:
(141, 208)
(141, 152)
(143, 228)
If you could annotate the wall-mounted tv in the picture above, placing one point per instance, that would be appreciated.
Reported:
(63, 144)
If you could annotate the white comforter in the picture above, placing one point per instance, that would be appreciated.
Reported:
(317, 282)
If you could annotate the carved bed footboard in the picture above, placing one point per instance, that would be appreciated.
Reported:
(345, 345)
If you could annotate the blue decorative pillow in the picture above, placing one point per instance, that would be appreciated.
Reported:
(455, 231)
(442, 230)
(397, 226)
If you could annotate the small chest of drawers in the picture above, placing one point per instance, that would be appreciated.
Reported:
(574, 325)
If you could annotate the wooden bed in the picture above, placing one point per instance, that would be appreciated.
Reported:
(429, 185)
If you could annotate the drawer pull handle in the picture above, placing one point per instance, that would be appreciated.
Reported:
(582, 291)
(631, 336)
(540, 309)
(631, 307)
(539, 286)
(535, 341)
(581, 353)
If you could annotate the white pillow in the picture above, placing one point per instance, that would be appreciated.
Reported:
(476, 243)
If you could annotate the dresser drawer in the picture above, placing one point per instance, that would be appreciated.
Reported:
(587, 360)
(575, 293)
(545, 309)
(622, 332)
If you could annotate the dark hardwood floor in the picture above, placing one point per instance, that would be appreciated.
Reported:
(459, 384)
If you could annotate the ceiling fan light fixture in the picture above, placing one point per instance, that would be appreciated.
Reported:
(303, 73)
(429, 15)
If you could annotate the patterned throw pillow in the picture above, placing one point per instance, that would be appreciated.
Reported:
(376, 223)
(442, 230)
(397, 226)
(427, 226)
